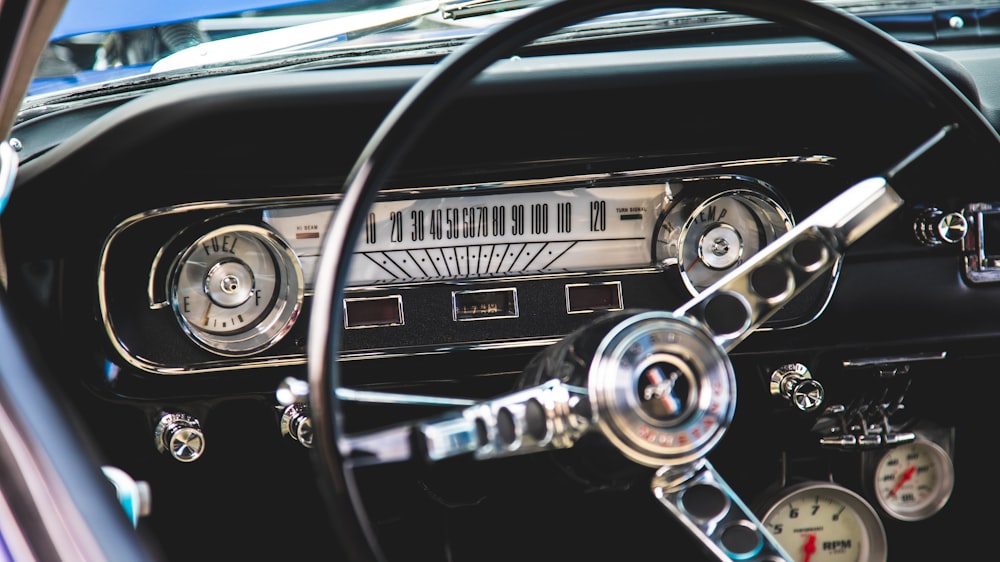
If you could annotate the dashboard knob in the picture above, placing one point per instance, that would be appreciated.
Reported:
(934, 227)
(794, 383)
(296, 424)
(181, 436)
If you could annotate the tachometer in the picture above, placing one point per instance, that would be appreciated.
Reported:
(824, 522)
(710, 236)
(237, 289)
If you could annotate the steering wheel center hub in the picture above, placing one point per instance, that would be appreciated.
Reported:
(664, 392)
(667, 390)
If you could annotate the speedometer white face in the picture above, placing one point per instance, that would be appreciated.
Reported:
(481, 236)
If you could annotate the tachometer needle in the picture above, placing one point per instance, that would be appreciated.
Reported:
(902, 480)
(810, 547)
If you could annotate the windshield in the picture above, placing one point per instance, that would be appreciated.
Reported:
(103, 42)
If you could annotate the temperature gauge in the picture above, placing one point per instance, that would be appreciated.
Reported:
(913, 481)
(237, 289)
(709, 237)
(823, 522)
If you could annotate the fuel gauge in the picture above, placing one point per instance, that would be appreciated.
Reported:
(709, 237)
(237, 289)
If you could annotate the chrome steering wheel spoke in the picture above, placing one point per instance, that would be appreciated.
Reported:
(744, 299)
(699, 497)
(552, 415)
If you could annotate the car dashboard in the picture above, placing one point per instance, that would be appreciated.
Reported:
(164, 248)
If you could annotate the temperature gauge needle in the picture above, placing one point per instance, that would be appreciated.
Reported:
(809, 547)
(902, 480)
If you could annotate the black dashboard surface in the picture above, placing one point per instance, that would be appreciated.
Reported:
(263, 138)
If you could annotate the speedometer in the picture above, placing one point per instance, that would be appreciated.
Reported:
(496, 235)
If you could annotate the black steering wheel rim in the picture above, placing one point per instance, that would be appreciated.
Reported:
(428, 98)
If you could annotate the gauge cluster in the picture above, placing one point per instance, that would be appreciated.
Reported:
(513, 263)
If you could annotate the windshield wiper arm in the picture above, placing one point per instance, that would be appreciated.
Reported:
(277, 40)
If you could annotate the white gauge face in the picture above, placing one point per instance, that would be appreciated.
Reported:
(482, 236)
(822, 522)
(236, 289)
(914, 481)
(719, 234)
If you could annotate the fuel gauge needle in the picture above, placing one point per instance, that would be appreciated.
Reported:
(902, 480)
(204, 320)
(809, 547)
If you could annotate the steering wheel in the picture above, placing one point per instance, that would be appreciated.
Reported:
(657, 385)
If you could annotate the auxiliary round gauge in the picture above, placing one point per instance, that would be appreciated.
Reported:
(237, 289)
(824, 522)
(710, 237)
(913, 481)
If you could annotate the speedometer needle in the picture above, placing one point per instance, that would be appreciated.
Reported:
(902, 480)
(810, 547)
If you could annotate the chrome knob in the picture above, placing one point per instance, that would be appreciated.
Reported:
(794, 383)
(181, 436)
(934, 227)
(292, 390)
(296, 424)
(293, 394)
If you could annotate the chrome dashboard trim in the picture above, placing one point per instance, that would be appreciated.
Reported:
(894, 359)
(223, 206)
(399, 308)
(617, 287)
(457, 317)
(224, 365)
(500, 279)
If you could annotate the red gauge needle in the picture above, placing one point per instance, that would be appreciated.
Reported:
(810, 547)
(902, 480)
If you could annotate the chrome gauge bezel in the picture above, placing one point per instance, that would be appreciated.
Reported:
(282, 307)
(937, 496)
(875, 546)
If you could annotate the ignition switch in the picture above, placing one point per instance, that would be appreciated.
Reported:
(794, 383)
(181, 436)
